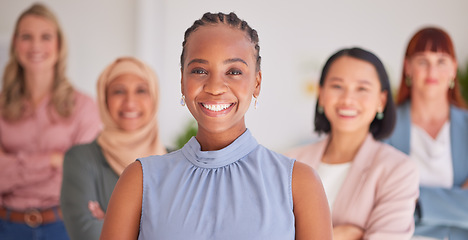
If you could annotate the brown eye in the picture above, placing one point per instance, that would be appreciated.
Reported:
(47, 37)
(142, 91)
(198, 71)
(25, 37)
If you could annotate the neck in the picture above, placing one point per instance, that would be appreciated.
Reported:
(212, 141)
(427, 110)
(38, 85)
(342, 147)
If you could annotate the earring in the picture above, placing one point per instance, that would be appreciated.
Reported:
(182, 100)
(408, 81)
(452, 84)
(379, 115)
(320, 109)
(256, 102)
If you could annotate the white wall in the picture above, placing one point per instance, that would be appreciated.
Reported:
(296, 37)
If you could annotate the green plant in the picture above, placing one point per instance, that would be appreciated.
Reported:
(463, 80)
(190, 130)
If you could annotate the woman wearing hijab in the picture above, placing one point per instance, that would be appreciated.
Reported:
(127, 98)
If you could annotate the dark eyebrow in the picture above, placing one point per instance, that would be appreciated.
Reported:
(197, 60)
(335, 79)
(365, 81)
(231, 60)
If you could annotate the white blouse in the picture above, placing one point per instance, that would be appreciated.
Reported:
(333, 176)
(433, 156)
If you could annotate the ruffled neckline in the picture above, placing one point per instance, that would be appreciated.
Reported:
(238, 149)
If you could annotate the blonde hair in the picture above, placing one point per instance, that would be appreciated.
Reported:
(13, 96)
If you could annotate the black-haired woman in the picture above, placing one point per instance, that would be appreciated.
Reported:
(371, 187)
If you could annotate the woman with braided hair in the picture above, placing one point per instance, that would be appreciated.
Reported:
(222, 184)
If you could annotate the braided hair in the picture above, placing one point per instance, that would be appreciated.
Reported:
(230, 19)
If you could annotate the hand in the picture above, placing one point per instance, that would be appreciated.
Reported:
(56, 160)
(347, 232)
(96, 210)
(465, 185)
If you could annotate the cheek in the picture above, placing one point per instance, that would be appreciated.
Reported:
(20, 48)
(191, 88)
(113, 105)
(148, 105)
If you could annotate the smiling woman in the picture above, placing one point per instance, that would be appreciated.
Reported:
(128, 102)
(41, 117)
(371, 187)
(222, 184)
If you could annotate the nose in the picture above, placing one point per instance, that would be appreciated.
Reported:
(215, 85)
(347, 96)
(36, 43)
(431, 70)
(130, 100)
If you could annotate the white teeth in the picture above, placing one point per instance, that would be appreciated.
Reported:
(216, 107)
(36, 57)
(347, 112)
(130, 114)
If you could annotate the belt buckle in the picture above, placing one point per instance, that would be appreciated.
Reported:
(33, 218)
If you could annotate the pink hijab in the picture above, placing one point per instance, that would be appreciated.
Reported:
(121, 147)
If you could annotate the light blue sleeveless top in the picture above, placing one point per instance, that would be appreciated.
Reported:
(240, 192)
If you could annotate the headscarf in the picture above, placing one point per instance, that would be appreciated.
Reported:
(122, 147)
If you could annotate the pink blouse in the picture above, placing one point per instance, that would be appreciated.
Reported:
(27, 179)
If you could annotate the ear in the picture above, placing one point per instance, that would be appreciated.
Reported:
(182, 81)
(258, 83)
(319, 89)
(407, 68)
(383, 99)
(455, 67)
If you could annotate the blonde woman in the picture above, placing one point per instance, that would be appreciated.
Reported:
(42, 116)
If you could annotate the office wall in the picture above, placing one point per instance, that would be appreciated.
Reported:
(296, 37)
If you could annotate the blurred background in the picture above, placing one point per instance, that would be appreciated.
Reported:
(296, 37)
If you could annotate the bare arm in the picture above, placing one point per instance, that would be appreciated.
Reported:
(311, 209)
(122, 220)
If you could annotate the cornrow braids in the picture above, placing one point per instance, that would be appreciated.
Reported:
(230, 19)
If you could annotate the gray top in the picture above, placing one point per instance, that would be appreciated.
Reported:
(86, 177)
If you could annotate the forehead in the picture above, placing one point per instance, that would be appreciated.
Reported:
(221, 39)
(127, 79)
(36, 23)
(352, 69)
(432, 54)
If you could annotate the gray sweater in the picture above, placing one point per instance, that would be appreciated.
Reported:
(86, 177)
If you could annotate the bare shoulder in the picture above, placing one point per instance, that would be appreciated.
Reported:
(311, 211)
(133, 172)
(122, 220)
(303, 174)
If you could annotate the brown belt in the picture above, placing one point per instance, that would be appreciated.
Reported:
(32, 218)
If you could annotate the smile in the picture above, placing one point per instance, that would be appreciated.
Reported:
(129, 114)
(36, 57)
(347, 112)
(216, 107)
